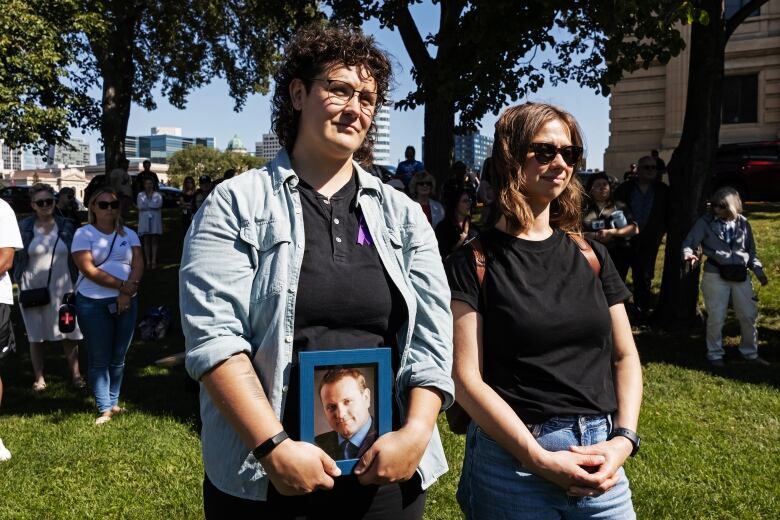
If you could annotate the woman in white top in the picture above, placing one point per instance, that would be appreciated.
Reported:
(108, 255)
(45, 262)
(150, 204)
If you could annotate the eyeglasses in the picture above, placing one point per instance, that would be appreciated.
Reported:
(340, 93)
(42, 203)
(544, 153)
(104, 204)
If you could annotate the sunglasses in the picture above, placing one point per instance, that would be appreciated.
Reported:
(425, 183)
(42, 203)
(104, 204)
(544, 153)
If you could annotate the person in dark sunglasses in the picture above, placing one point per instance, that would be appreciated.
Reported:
(543, 349)
(109, 258)
(648, 199)
(45, 261)
(67, 206)
(421, 188)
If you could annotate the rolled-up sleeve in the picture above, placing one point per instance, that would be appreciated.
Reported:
(215, 286)
(430, 353)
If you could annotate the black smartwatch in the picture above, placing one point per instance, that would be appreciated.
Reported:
(628, 434)
(268, 446)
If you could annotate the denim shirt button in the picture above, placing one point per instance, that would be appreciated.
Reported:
(288, 339)
(285, 388)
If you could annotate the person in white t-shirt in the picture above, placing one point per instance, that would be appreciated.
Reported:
(108, 256)
(10, 241)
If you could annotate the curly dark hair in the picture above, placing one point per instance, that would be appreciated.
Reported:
(314, 49)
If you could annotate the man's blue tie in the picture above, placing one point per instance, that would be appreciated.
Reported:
(350, 450)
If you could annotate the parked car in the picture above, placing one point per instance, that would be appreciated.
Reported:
(753, 169)
(18, 197)
(170, 196)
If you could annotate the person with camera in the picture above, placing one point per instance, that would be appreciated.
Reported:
(46, 272)
(726, 238)
(109, 258)
(609, 222)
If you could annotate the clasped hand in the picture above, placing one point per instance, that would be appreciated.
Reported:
(586, 470)
(394, 457)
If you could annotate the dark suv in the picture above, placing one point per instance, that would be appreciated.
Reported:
(18, 197)
(752, 168)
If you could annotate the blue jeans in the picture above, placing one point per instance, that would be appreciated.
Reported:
(107, 337)
(494, 485)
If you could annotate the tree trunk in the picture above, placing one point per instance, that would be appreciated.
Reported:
(439, 139)
(118, 71)
(692, 163)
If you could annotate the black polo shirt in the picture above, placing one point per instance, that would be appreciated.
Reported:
(346, 299)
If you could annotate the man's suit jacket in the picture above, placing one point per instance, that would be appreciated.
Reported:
(329, 442)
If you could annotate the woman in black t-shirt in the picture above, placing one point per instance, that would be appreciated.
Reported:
(545, 363)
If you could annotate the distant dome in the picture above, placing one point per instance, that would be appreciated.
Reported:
(235, 145)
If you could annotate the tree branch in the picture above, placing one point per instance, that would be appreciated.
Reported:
(413, 42)
(447, 39)
(740, 16)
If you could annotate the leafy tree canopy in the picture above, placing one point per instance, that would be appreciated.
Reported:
(200, 160)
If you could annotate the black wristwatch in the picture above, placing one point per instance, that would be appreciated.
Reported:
(628, 434)
(268, 446)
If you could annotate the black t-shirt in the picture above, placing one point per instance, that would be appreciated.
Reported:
(547, 342)
(346, 300)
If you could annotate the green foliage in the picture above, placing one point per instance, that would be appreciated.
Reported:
(41, 95)
(488, 53)
(200, 160)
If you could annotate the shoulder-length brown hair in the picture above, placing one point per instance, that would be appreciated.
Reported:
(515, 131)
(316, 49)
(119, 225)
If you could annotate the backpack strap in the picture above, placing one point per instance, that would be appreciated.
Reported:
(587, 252)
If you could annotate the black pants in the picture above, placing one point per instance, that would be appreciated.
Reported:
(348, 500)
(644, 252)
(7, 339)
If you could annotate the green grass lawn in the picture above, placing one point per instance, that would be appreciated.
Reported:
(711, 439)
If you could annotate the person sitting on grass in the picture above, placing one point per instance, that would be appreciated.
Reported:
(727, 240)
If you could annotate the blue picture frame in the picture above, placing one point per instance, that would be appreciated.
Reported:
(377, 360)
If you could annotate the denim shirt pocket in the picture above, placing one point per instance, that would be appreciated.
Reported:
(267, 240)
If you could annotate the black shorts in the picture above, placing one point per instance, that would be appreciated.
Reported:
(7, 340)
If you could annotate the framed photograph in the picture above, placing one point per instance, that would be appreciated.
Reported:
(345, 401)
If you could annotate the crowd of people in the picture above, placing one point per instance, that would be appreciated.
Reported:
(521, 315)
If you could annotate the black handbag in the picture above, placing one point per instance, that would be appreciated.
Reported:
(732, 272)
(39, 296)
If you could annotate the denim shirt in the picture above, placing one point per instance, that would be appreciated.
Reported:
(238, 283)
(65, 231)
(709, 233)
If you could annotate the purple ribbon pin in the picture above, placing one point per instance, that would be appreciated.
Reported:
(364, 237)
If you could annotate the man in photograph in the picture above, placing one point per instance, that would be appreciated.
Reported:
(346, 402)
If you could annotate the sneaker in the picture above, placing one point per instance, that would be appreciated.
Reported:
(717, 362)
(4, 453)
(758, 361)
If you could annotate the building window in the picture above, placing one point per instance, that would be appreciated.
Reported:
(732, 6)
(740, 99)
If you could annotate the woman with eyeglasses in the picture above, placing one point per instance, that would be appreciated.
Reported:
(726, 238)
(150, 203)
(311, 252)
(109, 259)
(455, 229)
(421, 188)
(45, 262)
(545, 364)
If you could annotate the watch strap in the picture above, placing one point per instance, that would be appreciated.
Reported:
(628, 434)
(268, 446)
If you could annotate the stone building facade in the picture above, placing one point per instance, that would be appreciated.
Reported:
(647, 108)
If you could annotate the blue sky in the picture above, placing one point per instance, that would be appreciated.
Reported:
(209, 111)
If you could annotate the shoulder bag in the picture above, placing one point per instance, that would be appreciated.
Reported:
(39, 296)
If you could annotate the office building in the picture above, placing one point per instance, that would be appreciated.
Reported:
(647, 107)
(159, 146)
(268, 147)
(473, 149)
(382, 138)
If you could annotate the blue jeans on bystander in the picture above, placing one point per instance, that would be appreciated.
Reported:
(494, 485)
(108, 338)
